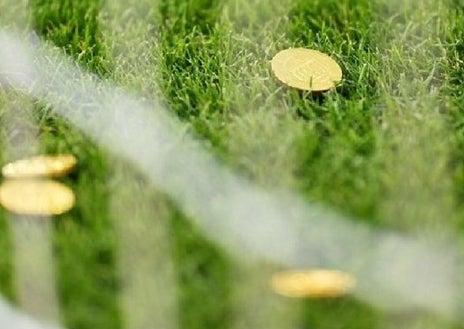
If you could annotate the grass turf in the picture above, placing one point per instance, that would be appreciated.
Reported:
(386, 146)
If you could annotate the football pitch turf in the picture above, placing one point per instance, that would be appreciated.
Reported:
(385, 147)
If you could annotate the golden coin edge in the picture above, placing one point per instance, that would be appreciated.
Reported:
(69, 160)
(10, 202)
(331, 83)
(281, 281)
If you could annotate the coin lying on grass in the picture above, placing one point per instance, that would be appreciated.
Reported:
(316, 283)
(41, 166)
(306, 69)
(36, 197)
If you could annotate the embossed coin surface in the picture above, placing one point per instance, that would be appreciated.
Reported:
(317, 283)
(36, 197)
(40, 166)
(306, 69)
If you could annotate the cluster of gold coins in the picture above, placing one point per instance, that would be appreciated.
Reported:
(28, 188)
(309, 70)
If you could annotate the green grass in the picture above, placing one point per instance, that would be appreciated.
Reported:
(386, 147)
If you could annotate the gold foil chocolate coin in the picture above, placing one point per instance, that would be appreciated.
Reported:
(40, 166)
(36, 197)
(306, 69)
(317, 283)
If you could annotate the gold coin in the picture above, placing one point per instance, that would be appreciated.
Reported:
(36, 197)
(306, 69)
(41, 166)
(316, 283)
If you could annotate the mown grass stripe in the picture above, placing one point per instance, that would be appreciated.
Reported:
(192, 58)
(84, 239)
(6, 254)
(453, 75)
(13, 15)
(172, 62)
(260, 137)
(203, 273)
(454, 67)
(6, 262)
(337, 150)
(192, 63)
(73, 26)
(32, 250)
(147, 276)
(415, 146)
(34, 267)
(148, 295)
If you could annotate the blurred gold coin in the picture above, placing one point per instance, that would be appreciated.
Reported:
(317, 283)
(306, 69)
(36, 197)
(41, 166)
